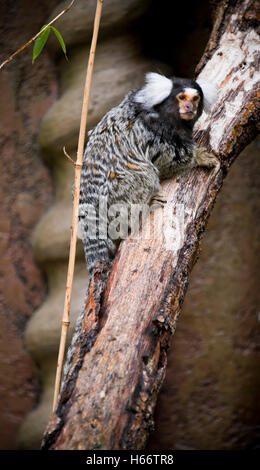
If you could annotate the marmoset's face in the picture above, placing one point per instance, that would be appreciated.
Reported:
(188, 101)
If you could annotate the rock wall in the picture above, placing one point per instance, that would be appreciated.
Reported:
(26, 192)
(208, 400)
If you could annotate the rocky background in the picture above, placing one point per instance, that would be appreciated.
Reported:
(26, 192)
(210, 396)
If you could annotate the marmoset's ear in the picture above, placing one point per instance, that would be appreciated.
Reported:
(157, 89)
(210, 93)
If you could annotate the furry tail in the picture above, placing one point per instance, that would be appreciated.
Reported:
(99, 250)
(72, 347)
(96, 251)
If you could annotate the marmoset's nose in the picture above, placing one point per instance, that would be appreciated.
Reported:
(188, 106)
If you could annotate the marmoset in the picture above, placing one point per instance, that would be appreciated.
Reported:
(143, 140)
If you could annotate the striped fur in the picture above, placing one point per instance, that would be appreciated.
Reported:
(135, 145)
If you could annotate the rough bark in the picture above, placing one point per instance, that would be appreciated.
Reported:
(110, 394)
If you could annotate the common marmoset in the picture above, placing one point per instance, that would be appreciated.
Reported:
(143, 140)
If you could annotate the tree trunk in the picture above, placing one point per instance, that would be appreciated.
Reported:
(109, 397)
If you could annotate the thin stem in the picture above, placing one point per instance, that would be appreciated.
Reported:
(36, 35)
(78, 166)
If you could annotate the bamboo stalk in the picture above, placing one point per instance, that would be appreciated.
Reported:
(73, 241)
(36, 35)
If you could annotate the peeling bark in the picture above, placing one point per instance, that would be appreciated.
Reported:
(110, 394)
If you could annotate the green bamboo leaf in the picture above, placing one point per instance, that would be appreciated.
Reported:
(61, 41)
(40, 43)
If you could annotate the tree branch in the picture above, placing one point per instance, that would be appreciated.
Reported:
(109, 396)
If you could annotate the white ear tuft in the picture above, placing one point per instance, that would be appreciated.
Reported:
(210, 93)
(157, 89)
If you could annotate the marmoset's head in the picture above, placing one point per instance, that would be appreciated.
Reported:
(179, 98)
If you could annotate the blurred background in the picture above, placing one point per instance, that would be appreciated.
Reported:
(210, 398)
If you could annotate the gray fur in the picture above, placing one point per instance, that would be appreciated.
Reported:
(131, 149)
